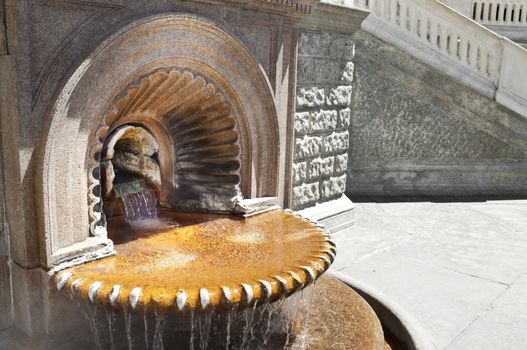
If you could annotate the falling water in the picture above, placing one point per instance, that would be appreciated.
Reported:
(271, 308)
(158, 333)
(204, 322)
(128, 326)
(228, 331)
(145, 322)
(269, 326)
(140, 206)
(192, 330)
(109, 319)
(91, 316)
(246, 327)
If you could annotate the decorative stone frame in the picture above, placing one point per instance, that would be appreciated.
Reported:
(66, 180)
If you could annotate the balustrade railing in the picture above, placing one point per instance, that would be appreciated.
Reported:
(454, 44)
(492, 12)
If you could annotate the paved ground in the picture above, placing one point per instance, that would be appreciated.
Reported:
(460, 269)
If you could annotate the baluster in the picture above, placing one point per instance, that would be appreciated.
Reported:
(524, 14)
(399, 10)
(473, 58)
(470, 54)
(411, 18)
(426, 29)
(493, 12)
(416, 23)
(463, 49)
(393, 11)
(477, 13)
(457, 50)
(448, 40)
(433, 33)
(381, 9)
(404, 16)
(488, 67)
(499, 17)
(442, 37)
(516, 18)
(483, 61)
(392, 7)
(478, 58)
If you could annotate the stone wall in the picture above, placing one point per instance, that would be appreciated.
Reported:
(6, 36)
(415, 132)
(322, 117)
(5, 278)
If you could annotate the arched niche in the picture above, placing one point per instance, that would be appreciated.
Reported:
(81, 119)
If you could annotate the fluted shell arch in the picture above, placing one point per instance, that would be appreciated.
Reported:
(197, 131)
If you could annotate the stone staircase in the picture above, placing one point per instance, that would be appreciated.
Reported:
(455, 44)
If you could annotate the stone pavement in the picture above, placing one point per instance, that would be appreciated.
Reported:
(459, 269)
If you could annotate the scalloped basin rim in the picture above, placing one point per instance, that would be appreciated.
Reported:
(209, 262)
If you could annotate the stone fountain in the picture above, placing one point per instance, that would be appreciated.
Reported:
(169, 139)
(187, 245)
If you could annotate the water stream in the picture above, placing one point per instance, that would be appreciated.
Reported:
(140, 206)
(281, 325)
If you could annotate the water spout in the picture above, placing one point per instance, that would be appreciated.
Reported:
(140, 206)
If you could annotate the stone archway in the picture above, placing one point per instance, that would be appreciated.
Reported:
(88, 106)
(197, 131)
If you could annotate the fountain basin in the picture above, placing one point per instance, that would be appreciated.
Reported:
(208, 262)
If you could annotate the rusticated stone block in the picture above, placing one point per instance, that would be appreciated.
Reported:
(301, 122)
(319, 167)
(333, 186)
(323, 120)
(313, 43)
(306, 193)
(341, 163)
(341, 47)
(310, 97)
(307, 146)
(339, 96)
(299, 172)
(336, 142)
(347, 72)
(344, 119)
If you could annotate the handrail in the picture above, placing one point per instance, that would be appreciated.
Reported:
(455, 44)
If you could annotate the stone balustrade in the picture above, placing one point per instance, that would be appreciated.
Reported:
(489, 12)
(454, 44)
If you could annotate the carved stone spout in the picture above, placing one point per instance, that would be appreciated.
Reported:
(130, 162)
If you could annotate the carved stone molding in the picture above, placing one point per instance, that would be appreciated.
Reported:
(132, 77)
